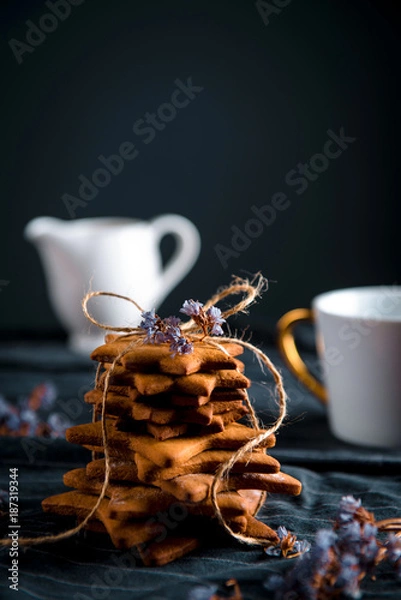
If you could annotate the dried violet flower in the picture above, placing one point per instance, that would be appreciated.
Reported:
(168, 331)
(192, 308)
(33, 415)
(161, 331)
(349, 510)
(288, 546)
(58, 424)
(393, 550)
(339, 559)
(210, 321)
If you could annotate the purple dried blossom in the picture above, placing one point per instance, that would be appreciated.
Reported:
(192, 308)
(171, 332)
(26, 418)
(209, 321)
(339, 559)
(347, 509)
(301, 546)
(215, 320)
(12, 421)
(393, 547)
(181, 345)
(149, 319)
(297, 583)
(348, 577)
(322, 552)
(282, 532)
(48, 394)
(58, 424)
(159, 337)
(325, 538)
(349, 535)
(5, 408)
(30, 420)
(288, 544)
(165, 331)
(358, 537)
(168, 331)
(310, 567)
(172, 322)
(149, 323)
(369, 547)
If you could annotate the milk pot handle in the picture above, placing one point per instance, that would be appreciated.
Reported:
(186, 252)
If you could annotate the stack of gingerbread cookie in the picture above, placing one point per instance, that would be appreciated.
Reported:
(171, 421)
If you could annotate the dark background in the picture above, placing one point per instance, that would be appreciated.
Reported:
(270, 95)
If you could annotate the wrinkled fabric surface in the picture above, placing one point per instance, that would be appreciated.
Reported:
(88, 567)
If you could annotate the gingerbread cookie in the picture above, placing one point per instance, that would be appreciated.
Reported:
(168, 452)
(123, 471)
(197, 384)
(206, 462)
(154, 358)
(196, 487)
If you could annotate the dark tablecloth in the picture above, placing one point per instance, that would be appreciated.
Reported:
(87, 566)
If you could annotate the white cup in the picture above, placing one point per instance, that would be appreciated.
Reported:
(358, 334)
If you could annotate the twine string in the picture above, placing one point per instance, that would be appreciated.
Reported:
(225, 468)
(90, 295)
(238, 286)
(392, 524)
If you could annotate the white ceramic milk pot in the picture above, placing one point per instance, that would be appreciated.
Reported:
(119, 255)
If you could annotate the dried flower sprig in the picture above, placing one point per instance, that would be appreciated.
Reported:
(393, 550)
(34, 414)
(210, 321)
(168, 330)
(340, 558)
(161, 331)
(288, 546)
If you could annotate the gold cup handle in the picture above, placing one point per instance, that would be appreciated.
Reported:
(290, 352)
